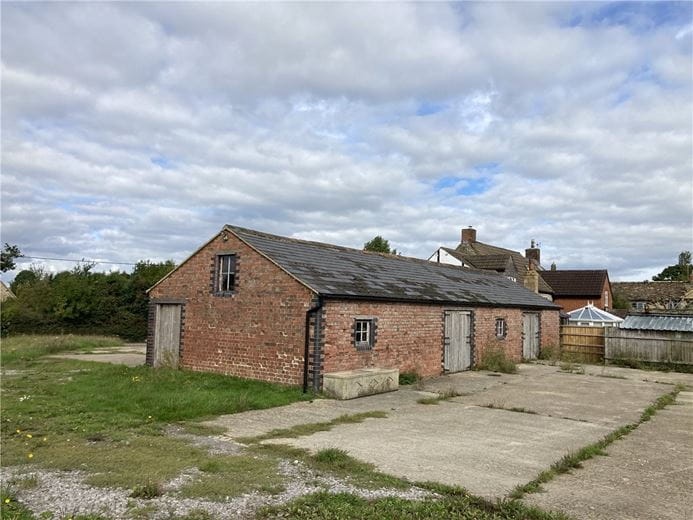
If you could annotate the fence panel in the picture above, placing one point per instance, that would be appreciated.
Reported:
(649, 346)
(586, 343)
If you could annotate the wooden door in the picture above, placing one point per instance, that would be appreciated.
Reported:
(458, 341)
(167, 335)
(530, 335)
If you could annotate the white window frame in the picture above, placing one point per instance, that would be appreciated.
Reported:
(501, 328)
(226, 273)
(363, 333)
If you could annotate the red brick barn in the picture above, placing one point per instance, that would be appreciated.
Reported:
(267, 307)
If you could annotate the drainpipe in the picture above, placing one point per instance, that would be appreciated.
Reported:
(306, 351)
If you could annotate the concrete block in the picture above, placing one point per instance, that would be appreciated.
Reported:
(363, 381)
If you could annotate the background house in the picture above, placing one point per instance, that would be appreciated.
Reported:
(655, 297)
(576, 288)
(473, 254)
(268, 307)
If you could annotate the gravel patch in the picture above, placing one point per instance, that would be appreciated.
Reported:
(64, 494)
(214, 444)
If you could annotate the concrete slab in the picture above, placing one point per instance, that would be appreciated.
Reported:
(488, 452)
(130, 354)
(601, 400)
(648, 474)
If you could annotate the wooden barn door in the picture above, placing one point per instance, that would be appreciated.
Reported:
(530, 335)
(167, 335)
(458, 341)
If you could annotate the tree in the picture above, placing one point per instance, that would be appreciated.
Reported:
(677, 273)
(379, 245)
(7, 257)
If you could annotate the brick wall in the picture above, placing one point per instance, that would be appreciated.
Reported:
(410, 336)
(257, 332)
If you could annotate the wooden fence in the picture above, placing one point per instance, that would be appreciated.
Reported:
(649, 346)
(584, 343)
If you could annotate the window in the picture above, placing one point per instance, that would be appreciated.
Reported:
(364, 333)
(226, 273)
(639, 306)
(501, 328)
(606, 299)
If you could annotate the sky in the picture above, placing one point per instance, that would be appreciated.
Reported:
(135, 131)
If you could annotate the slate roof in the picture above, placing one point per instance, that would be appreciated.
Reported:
(351, 273)
(651, 291)
(576, 283)
(659, 322)
(491, 255)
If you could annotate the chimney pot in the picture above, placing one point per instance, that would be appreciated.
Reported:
(468, 235)
(533, 254)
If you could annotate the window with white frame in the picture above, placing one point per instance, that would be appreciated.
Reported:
(501, 328)
(638, 306)
(364, 333)
(225, 274)
(606, 299)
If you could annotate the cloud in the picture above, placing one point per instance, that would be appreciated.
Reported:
(135, 131)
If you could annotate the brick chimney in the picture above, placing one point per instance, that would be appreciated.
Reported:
(468, 235)
(531, 280)
(533, 254)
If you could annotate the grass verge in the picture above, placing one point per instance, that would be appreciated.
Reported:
(302, 430)
(575, 459)
(459, 505)
(21, 349)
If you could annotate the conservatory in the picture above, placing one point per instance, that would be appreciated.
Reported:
(591, 316)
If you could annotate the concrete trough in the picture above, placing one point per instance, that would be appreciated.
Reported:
(358, 383)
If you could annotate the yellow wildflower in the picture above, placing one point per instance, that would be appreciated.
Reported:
(31, 455)
(7, 501)
(19, 431)
(29, 436)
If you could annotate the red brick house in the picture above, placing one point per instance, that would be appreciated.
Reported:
(267, 307)
(573, 289)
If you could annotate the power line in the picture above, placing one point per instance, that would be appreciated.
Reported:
(83, 260)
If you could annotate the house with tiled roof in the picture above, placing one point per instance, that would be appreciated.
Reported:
(268, 307)
(575, 288)
(473, 254)
(656, 297)
(572, 289)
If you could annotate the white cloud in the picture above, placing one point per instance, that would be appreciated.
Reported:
(135, 131)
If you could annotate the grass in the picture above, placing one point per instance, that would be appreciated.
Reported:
(10, 509)
(21, 349)
(147, 491)
(109, 420)
(334, 462)
(460, 506)
(574, 460)
(408, 378)
(572, 368)
(302, 430)
(441, 396)
(496, 360)
(645, 365)
(232, 476)
(517, 409)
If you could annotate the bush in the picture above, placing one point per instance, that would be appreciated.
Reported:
(408, 378)
(552, 353)
(495, 359)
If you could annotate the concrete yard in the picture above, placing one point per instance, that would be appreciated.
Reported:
(475, 440)
(648, 474)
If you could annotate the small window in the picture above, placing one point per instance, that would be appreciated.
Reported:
(364, 334)
(226, 273)
(501, 328)
(639, 306)
(606, 299)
